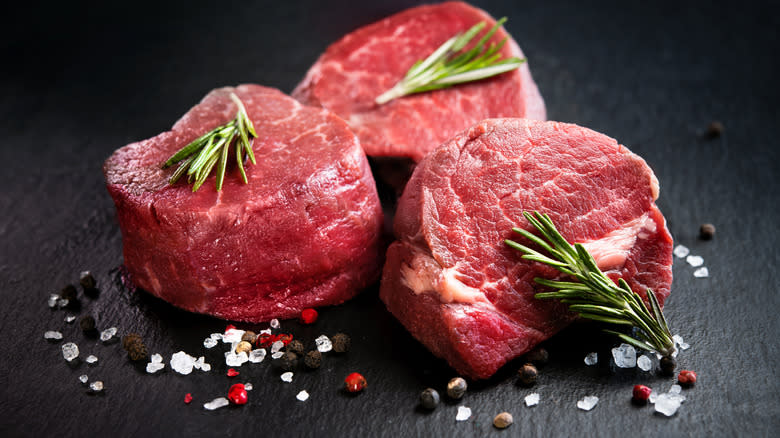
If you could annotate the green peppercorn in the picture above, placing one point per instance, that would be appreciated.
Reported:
(429, 398)
(667, 365)
(295, 346)
(87, 323)
(249, 336)
(288, 361)
(537, 356)
(313, 359)
(528, 374)
(341, 342)
(456, 388)
(68, 292)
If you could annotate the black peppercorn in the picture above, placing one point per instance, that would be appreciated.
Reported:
(714, 130)
(249, 336)
(341, 342)
(667, 364)
(288, 361)
(87, 281)
(528, 374)
(134, 345)
(87, 323)
(429, 398)
(313, 359)
(68, 292)
(456, 388)
(706, 231)
(295, 346)
(538, 356)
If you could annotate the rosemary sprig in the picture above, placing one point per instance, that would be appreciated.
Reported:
(592, 294)
(444, 67)
(211, 149)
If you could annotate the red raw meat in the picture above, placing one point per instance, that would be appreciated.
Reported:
(367, 62)
(468, 297)
(305, 231)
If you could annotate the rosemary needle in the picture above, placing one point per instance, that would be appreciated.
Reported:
(592, 294)
(211, 150)
(445, 67)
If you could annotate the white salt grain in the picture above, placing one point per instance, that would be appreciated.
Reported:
(96, 386)
(681, 251)
(198, 364)
(588, 402)
(232, 336)
(277, 355)
(52, 301)
(257, 356)
(248, 386)
(62, 302)
(216, 336)
(219, 402)
(694, 260)
(667, 404)
(323, 344)
(644, 363)
(108, 334)
(592, 359)
(157, 358)
(205, 367)
(532, 399)
(302, 396)
(675, 389)
(92, 359)
(52, 335)
(680, 343)
(182, 363)
(209, 342)
(83, 378)
(274, 323)
(70, 318)
(70, 351)
(701, 272)
(287, 377)
(264, 332)
(653, 396)
(463, 414)
(236, 360)
(624, 356)
(153, 367)
(276, 346)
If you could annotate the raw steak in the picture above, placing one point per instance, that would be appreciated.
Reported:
(469, 298)
(367, 62)
(304, 232)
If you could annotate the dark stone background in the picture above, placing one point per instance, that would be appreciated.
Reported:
(80, 80)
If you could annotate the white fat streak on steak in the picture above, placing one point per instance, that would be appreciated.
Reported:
(459, 207)
(368, 61)
(305, 230)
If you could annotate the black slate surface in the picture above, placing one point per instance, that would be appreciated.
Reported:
(79, 81)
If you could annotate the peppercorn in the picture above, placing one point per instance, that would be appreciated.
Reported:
(288, 361)
(429, 398)
(355, 382)
(249, 336)
(134, 345)
(313, 359)
(503, 420)
(667, 365)
(714, 130)
(308, 316)
(528, 374)
(706, 231)
(243, 346)
(456, 388)
(87, 323)
(537, 356)
(296, 347)
(87, 281)
(641, 394)
(341, 342)
(68, 293)
(686, 378)
(237, 394)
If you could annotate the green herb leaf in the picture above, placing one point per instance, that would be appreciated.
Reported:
(592, 294)
(211, 149)
(444, 67)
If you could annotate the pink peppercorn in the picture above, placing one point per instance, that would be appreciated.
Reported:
(641, 393)
(686, 378)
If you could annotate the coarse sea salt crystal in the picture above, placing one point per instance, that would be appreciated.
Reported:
(236, 360)
(70, 351)
(92, 359)
(52, 335)
(198, 364)
(287, 377)
(83, 378)
(63, 302)
(248, 386)
(209, 342)
(276, 346)
(532, 399)
(653, 396)
(219, 402)
(157, 358)
(302, 396)
(216, 336)
(108, 334)
(153, 367)
(624, 356)
(592, 359)
(274, 323)
(588, 402)
(702, 272)
(232, 336)
(182, 363)
(464, 413)
(694, 260)
(667, 404)
(681, 251)
(644, 363)
(96, 386)
(323, 344)
(257, 356)
(675, 389)
(264, 332)
(680, 343)
(52, 301)
(277, 355)
(70, 318)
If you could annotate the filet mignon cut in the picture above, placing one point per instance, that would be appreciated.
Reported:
(304, 232)
(370, 60)
(453, 283)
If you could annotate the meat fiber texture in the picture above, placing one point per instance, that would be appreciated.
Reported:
(367, 62)
(304, 232)
(468, 297)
